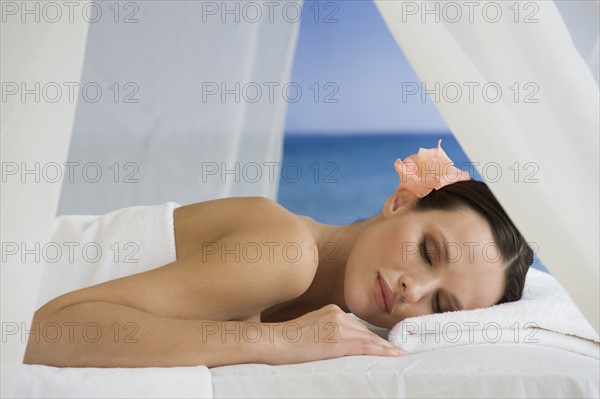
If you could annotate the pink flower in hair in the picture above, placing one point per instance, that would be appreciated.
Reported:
(429, 169)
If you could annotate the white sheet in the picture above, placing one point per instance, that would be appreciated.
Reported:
(37, 381)
(490, 370)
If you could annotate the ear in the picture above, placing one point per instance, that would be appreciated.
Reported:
(400, 201)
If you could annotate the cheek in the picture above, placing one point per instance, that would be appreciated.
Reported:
(387, 242)
(367, 249)
(382, 247)
(377, 249)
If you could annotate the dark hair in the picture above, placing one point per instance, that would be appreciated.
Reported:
(514, 250)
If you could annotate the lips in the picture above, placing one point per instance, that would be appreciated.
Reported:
(379, 298)
(384, 296)
(388, 295)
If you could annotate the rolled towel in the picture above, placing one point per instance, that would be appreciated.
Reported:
(545, 315)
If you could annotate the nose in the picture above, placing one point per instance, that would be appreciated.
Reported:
(412, 289)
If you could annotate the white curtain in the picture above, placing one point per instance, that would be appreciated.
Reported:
(536, 140)
(35, 133)
(201, 104)
(181, 101)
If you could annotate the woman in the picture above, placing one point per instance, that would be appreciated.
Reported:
(255, 283)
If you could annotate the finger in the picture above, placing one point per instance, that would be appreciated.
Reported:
(376, 339)
(394, 352)
(370, 349)
(366, 336)
(357, 324)
(338, 315)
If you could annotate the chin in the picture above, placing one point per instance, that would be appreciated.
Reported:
(361, 306)
(357, 303)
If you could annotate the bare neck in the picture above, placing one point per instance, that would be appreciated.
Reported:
(335, 244)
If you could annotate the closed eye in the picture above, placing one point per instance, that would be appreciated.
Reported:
(424, 254)
(435, 303)
(435, 299)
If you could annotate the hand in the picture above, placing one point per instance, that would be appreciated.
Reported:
(324, 334)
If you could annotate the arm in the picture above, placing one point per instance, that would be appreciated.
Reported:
(101, 334)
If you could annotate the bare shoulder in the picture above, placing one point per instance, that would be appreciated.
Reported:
(282, 237)
(281, 232)
(267, 245)
(211, 220)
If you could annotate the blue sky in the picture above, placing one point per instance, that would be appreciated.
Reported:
(365, 67)
(346, 42)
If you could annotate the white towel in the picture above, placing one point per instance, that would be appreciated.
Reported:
(130, 240)
(86, 250)
(545, 315)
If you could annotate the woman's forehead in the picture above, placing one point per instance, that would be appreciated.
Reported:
(466, 237)
(460, 221)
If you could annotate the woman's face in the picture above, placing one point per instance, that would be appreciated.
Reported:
(430, 261)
